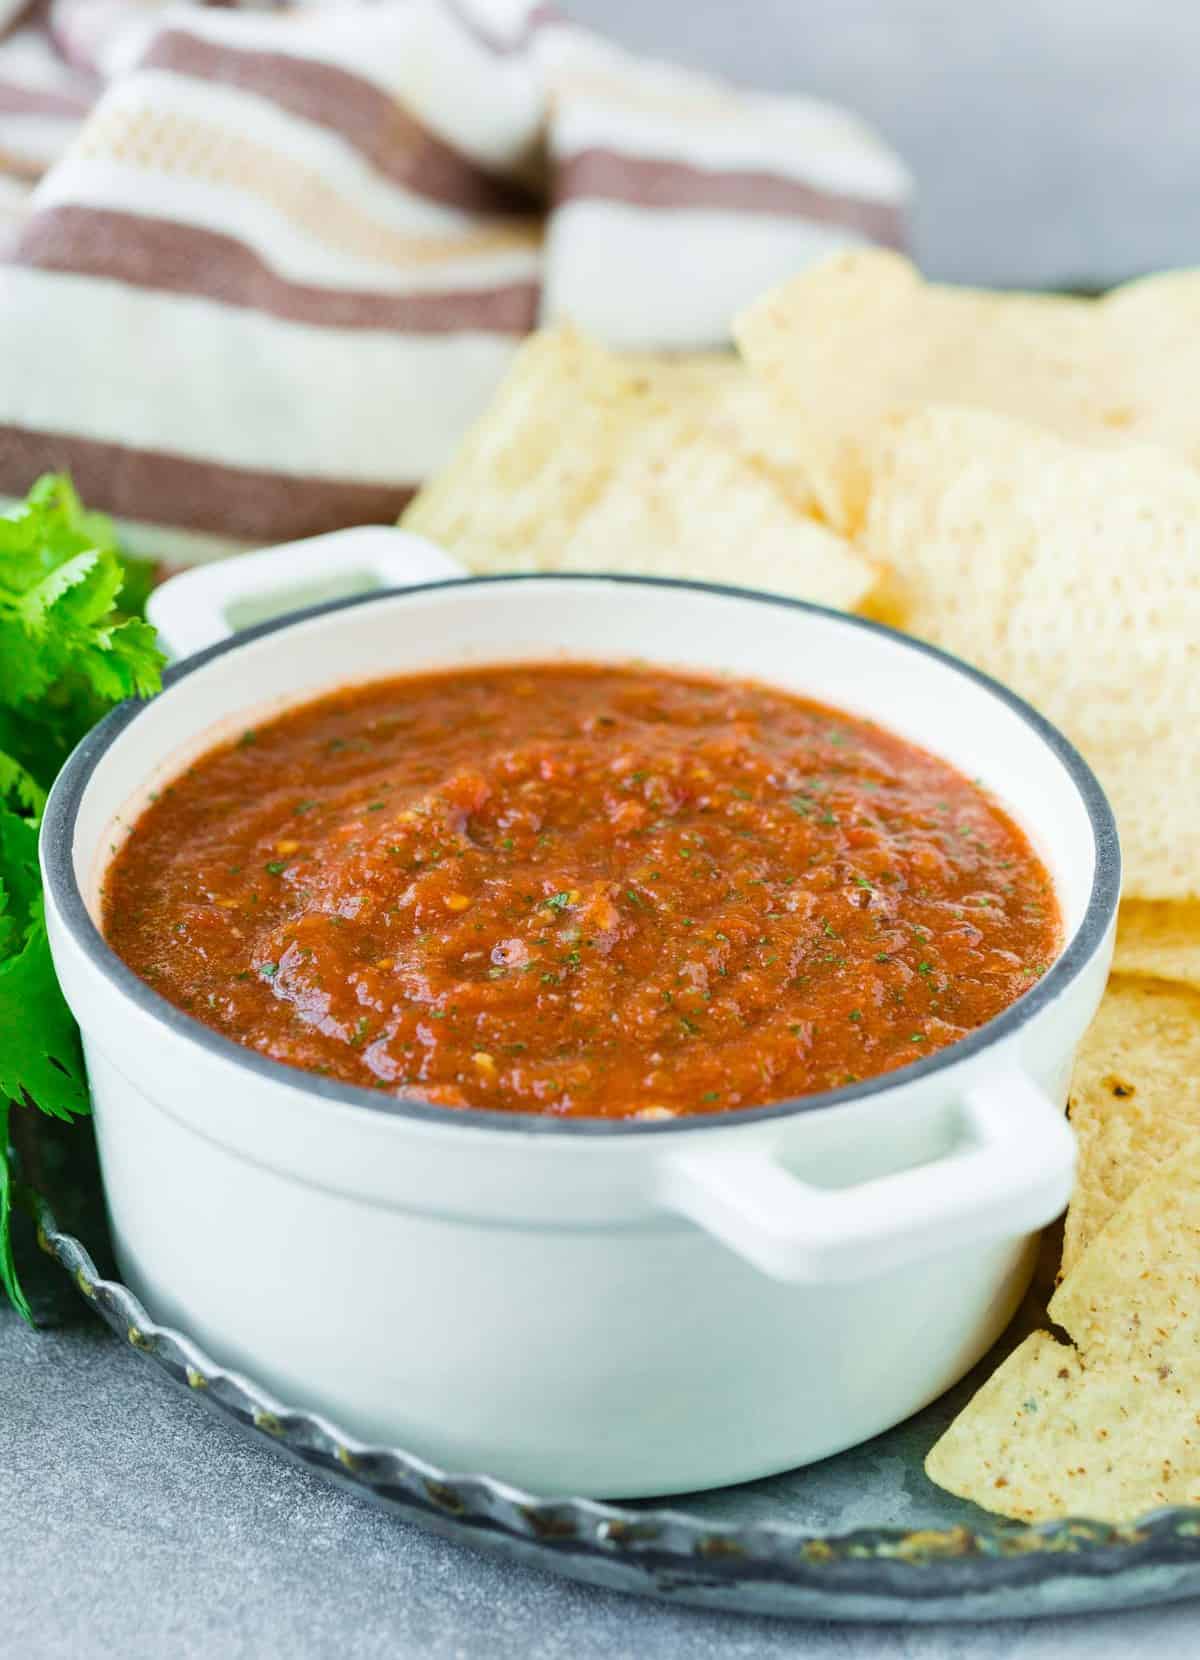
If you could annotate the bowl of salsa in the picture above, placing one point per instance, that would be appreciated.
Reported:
(611, 1033)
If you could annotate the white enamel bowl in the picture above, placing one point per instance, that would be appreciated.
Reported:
(614, 1309)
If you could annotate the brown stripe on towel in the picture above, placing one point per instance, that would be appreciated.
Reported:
(234, 502)
(177, 147)
(175, 258)
(21, 100)
(378, 127)
(644, 181)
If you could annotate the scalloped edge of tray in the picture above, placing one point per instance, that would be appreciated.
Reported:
(995, 1571)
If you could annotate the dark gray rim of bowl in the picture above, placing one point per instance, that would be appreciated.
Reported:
(62, 810)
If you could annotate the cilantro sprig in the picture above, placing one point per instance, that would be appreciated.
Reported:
(71, 645)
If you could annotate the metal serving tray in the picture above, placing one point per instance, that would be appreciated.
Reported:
(862, 1536)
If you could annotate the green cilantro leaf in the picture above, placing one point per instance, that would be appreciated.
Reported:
(67, 648)
(40, 1057)
(71, 645)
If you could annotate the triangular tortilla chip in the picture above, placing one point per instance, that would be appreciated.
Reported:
(589, 460)
(1159, 941)
(1134, 1100)
(1108, 1425)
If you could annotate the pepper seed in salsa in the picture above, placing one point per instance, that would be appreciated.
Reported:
(581, 890)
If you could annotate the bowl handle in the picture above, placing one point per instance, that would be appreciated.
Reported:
(210, 602)
(1009, 1173)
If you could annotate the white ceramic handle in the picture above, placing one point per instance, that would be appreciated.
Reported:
(209, 603)
(1010, 1173)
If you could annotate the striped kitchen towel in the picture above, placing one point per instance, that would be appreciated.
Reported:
(267, 281)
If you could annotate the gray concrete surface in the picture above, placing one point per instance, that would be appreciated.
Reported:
(135, 1526)
(1054, 141)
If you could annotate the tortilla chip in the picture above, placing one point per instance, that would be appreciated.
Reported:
(513, 492)
(720, 396)
(683, 503)
(1159, 942)
(862, 336)
(1153, 326)
(1108, 1428)
(1070, 573)
(588, 460)
(1135, 1099)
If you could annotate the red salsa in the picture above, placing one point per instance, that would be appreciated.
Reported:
(581, 890)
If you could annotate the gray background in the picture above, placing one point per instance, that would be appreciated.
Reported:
(1052, 143)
